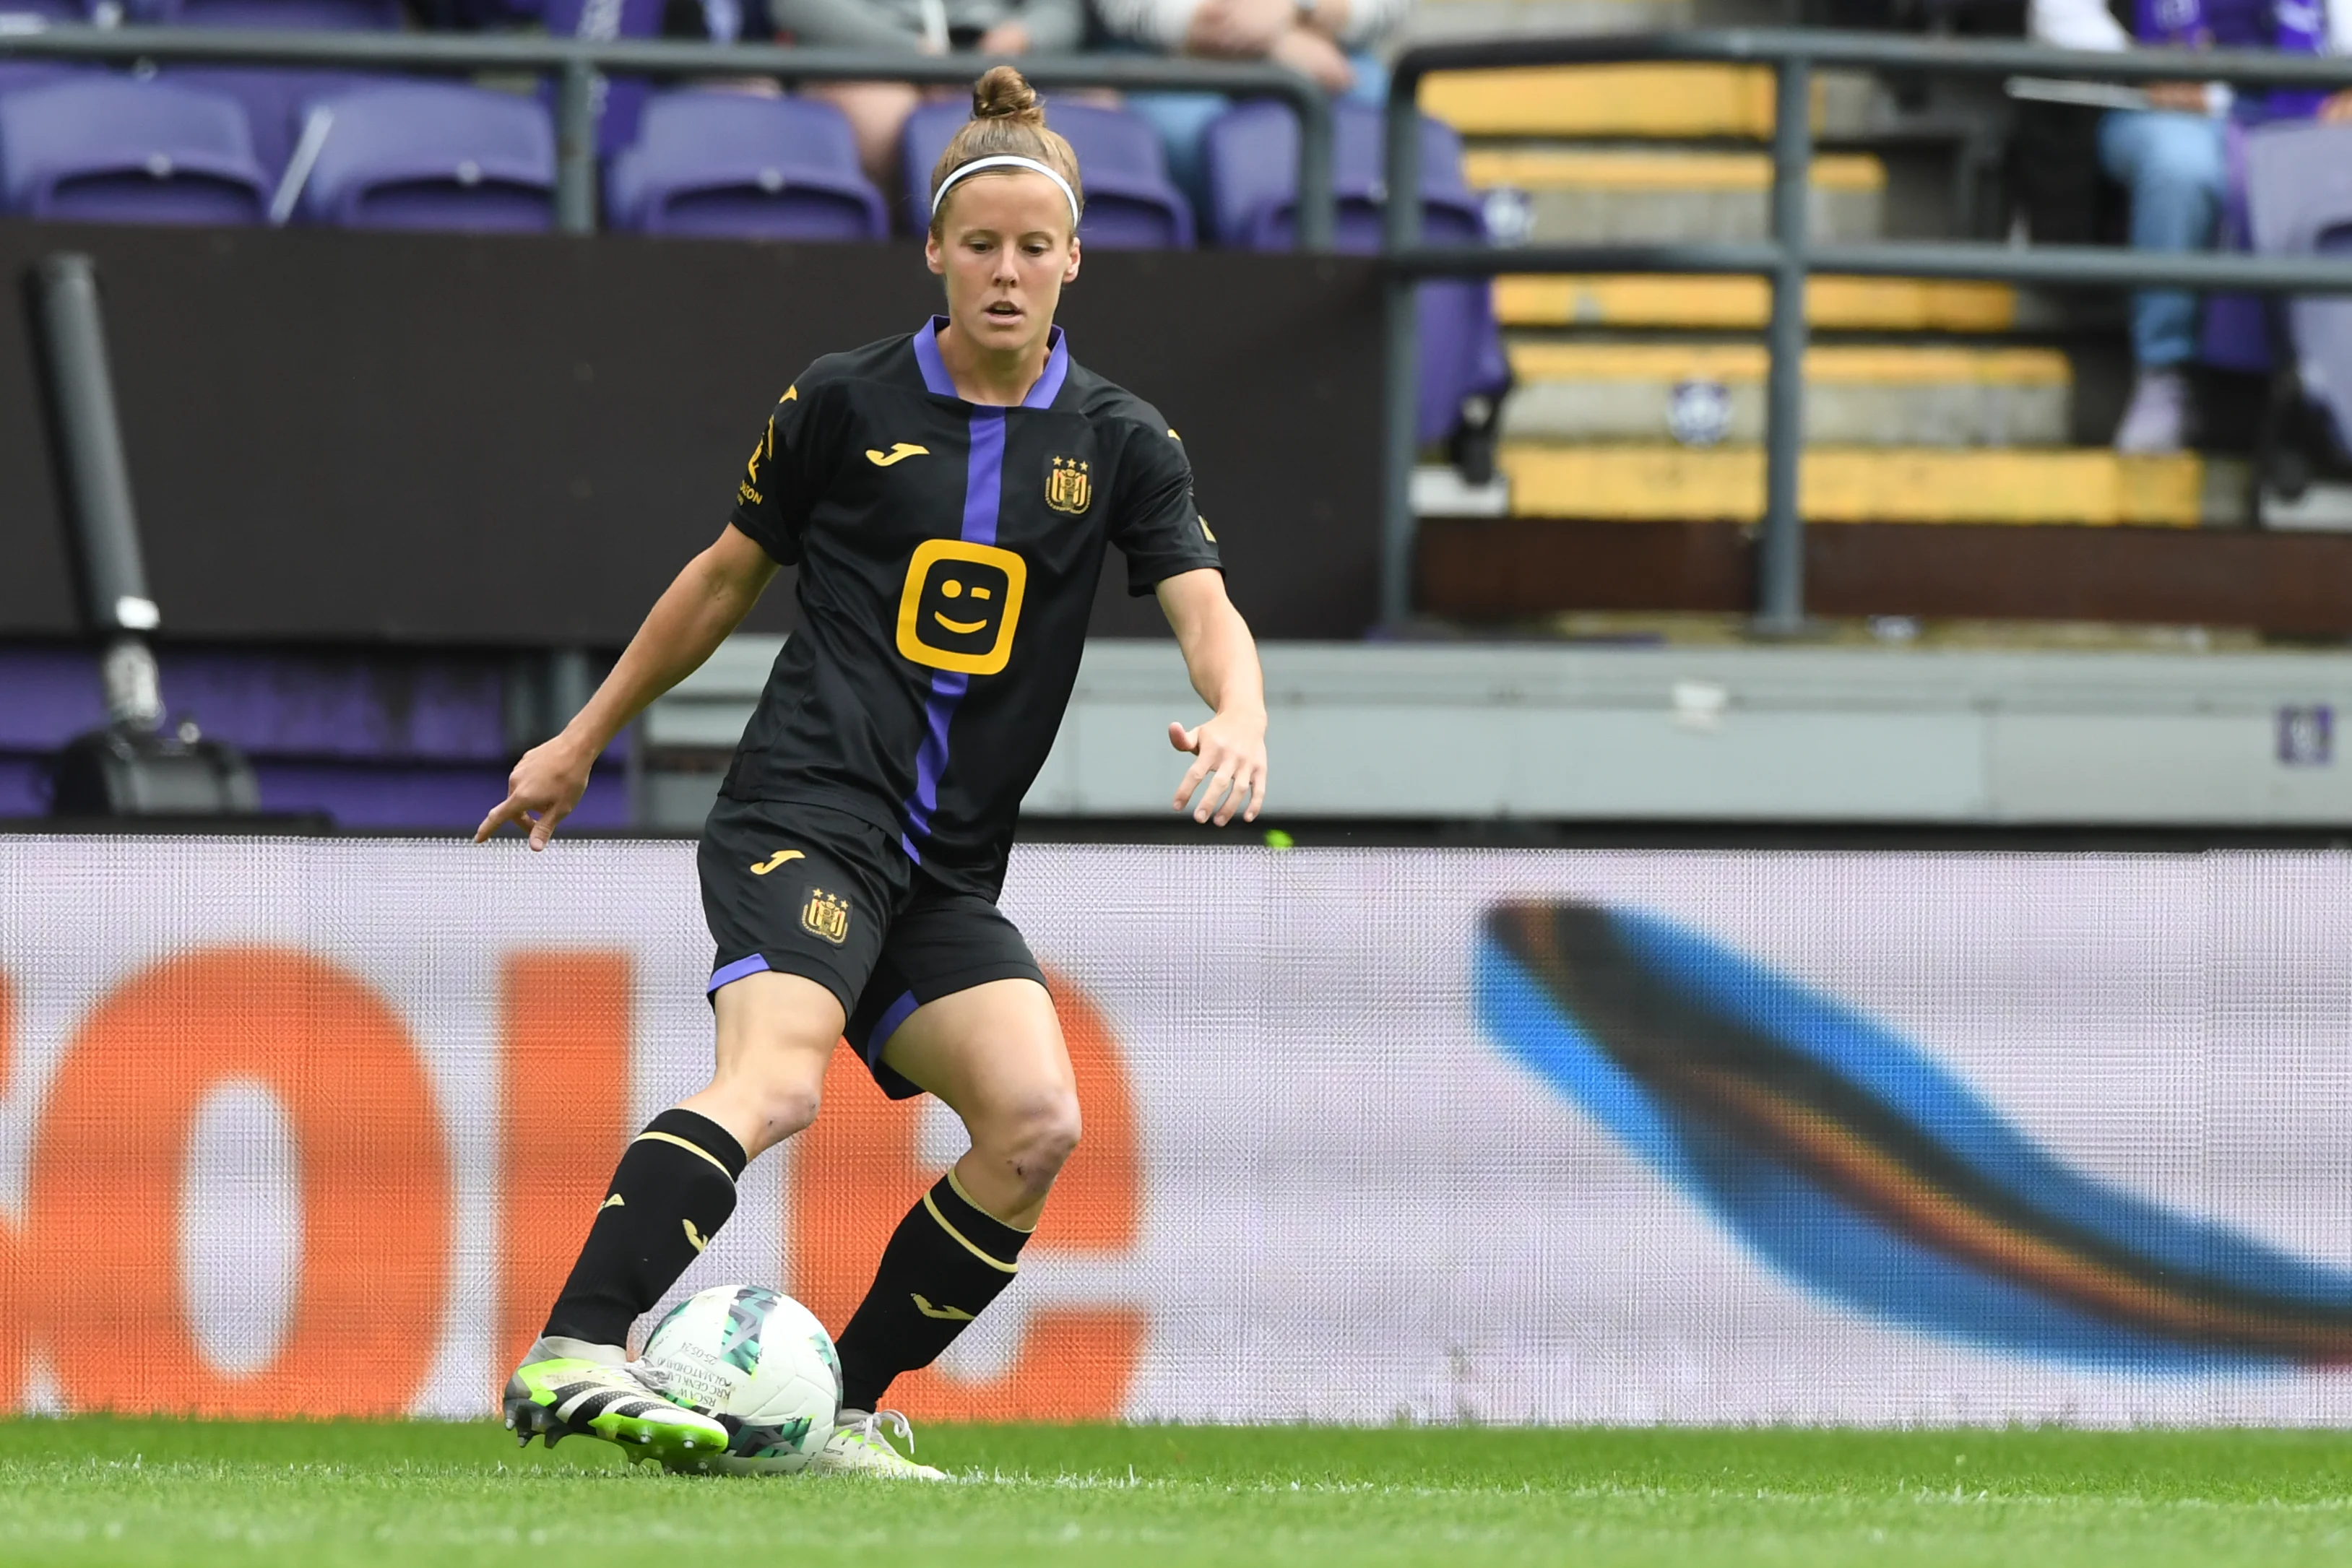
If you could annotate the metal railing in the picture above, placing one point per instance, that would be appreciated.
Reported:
(1789, 256)
(576, 63)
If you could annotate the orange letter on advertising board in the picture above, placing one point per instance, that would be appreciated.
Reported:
(563, 1098)
(854, 1176)
(104, 1242)
(14, 1330)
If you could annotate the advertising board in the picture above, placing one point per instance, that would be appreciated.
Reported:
(1513, 1137)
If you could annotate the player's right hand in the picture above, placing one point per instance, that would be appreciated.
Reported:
(540, 792)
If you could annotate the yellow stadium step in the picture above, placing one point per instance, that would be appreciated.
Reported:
(1632, 101)
(1731, 304)
(1597, 197)
(1894, 395)
(1673, 484)
(1558, 168)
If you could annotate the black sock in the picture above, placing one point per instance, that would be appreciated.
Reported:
(674, 1189)
(946, 1261)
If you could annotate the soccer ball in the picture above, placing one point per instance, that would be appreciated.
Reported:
(759, 1363)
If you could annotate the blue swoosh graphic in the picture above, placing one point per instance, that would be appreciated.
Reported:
(1860, 1167)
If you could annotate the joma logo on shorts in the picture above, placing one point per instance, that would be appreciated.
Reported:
(826, 916)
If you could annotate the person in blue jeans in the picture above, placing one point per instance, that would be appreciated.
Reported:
(2170, 158)
(1329, 40)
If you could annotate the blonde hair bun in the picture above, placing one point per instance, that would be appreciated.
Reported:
(1003, 93)
(1008, 120)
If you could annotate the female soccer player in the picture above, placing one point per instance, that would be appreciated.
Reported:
(947, 497)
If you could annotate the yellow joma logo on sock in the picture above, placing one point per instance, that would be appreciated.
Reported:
(945, 1314)
(697, 1237)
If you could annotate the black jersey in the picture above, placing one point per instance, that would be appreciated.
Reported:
(948, 553)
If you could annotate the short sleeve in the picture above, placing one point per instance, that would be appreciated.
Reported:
(1155, 520)
(773, 497)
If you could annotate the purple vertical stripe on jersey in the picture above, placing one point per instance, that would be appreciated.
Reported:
(983, 487)
(728, 973)
(984, 491)
(984, 478)
(947, 688)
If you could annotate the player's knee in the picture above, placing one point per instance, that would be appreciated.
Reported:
(789, 1108)
(1039, 1136)
(777, 1109)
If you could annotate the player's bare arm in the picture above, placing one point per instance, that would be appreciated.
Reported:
(1229, 748)
(697, 613)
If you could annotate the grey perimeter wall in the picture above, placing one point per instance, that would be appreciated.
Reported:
(1479, 732)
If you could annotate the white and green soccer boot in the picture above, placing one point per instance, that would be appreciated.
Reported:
(858, 1448)
(567, 1387)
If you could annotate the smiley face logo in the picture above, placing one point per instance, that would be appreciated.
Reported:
(959, 606)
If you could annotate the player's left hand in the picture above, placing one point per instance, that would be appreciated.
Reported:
(542, 791)
(1229, 752)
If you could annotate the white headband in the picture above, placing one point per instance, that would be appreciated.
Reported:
(1007, 161)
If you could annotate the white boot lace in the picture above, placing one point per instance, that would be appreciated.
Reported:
(654, 1380)
(869, 1429)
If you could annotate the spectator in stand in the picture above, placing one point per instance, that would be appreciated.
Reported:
(2170, 158)
(1329, 40)
(878, 110)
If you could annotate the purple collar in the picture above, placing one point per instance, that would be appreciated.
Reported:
(937, 380)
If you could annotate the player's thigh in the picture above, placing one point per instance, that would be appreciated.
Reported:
(798, 900)
(994, 1053)
(777, 1030)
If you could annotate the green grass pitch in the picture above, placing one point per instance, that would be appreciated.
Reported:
(428, 1495)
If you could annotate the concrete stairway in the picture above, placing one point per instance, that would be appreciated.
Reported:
(1641, 398)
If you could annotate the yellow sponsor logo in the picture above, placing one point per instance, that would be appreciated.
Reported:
(899, 452)
(945, 1314)
(694, 1236)
(773, 861)
(615, 1201)
(1205, 529)
(970, 592)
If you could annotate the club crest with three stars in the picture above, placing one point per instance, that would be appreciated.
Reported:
(1069, 487)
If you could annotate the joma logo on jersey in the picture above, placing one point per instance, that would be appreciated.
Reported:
(960, 605)
(1068, 486)
(826, 916)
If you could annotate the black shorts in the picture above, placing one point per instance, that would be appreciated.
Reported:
(807, 890)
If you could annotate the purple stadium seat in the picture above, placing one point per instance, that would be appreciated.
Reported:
(33, 16)
(310, 15)
(110, 150)
(1131, 203)
(426, 155)
(274, 100)
(1252, 152)
(727, 164)
(17, 75)
(621, 98)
